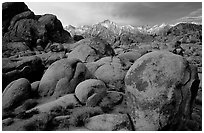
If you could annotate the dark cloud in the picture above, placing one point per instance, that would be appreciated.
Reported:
(157, 12)
(133, 13)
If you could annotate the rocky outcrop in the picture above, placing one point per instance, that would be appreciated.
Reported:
(56, 33)
(22, 25)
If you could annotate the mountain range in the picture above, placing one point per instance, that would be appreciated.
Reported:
(117, 29)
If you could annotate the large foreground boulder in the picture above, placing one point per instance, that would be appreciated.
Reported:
(160, 89)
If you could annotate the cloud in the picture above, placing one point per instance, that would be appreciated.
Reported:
(123, 13)
(196, 13)
(194, 16)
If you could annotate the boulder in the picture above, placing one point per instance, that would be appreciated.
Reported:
(91, 49)
(160, 90)
(72, 69)
(108, 122)
(87, 88)
(111, 71)
(16, 93)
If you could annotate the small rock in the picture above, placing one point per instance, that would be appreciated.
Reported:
(34, 86)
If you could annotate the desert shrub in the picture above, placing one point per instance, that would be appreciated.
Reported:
(81, 114)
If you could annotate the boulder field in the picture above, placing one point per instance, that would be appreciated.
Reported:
(52, 81)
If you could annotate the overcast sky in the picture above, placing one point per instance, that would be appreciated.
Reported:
(123, 13)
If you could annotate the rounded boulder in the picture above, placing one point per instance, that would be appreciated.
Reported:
(156, 90)
(89, 87)
(111, 71)
(16, 93)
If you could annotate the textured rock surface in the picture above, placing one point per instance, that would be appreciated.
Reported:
(26, 30)
(158, 88)
(129, 58)
(37, 122)
(13, 48)
(9, 10)
(111, 71)
(108, 122)
(56, 33)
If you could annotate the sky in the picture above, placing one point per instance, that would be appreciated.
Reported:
(122, 13)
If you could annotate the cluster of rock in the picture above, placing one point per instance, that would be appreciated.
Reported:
(84, 83)
(26, 33)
